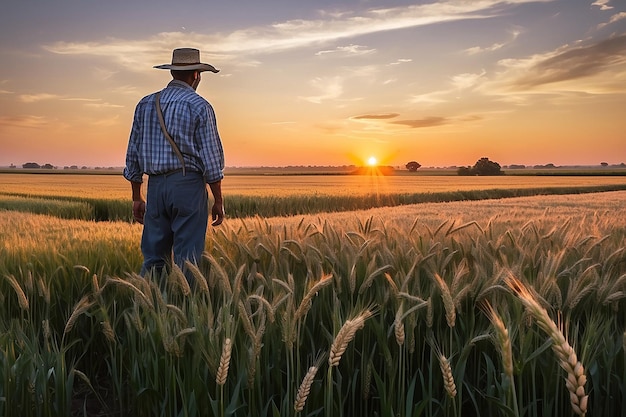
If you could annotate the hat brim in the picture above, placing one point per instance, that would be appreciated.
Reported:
(192, 67)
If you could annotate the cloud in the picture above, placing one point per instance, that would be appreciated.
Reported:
(616, 17)
(140, 54)
(103, 105)
(477, 49)
(435, 97)
(350, 50)
(467, 80)
(25, 121)
(567, 64)
(376, 116)
(603, 4)
(494, 47)
(329, 87)
(34, 98)
(425, 122)
(401, 61)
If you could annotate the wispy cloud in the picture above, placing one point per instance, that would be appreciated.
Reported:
(603, 4)
(467, 80)
(24, 121)
(329, 88)
(34, 98)
(134, 54)
(401, 61)
(350, 50)
(494, 47)
(103, 105)
(615, 18)
(567, 64)
(381, 116)
(424, 122)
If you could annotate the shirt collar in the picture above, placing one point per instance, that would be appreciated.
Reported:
(179, 84)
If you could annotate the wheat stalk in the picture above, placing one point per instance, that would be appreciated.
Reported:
(576, 378)
(178, 277)
(82, 306)
(305, 389)
(222, 370)
(21, 297)
(448, 302)
(502, 337)
(448, 378)
(108, 332)
(305, 304)
(145, 301)
(199, 277)
(398, 326)
(345, 336)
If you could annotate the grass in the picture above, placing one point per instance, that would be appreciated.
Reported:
(286, 204)
(376, 312)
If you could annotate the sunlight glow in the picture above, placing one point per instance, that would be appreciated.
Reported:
(372, 161)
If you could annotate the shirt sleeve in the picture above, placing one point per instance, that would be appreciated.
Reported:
(132, 170)
(210, 145)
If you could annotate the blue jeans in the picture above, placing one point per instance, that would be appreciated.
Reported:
(175, 222)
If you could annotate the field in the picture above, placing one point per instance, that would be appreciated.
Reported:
(512, 307)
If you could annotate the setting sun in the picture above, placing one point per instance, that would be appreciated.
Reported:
(372, 161)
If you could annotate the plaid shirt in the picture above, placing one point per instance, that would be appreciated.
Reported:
(190, 121)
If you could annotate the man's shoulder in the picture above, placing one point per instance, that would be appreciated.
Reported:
(146, 99)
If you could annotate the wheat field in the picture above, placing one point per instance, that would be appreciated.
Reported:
(509, 307)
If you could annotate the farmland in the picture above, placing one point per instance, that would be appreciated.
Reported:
(492, 307)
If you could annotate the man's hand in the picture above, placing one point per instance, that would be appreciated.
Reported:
(139, 209)
(217, 214)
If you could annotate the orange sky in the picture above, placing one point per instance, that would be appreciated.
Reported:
(442, 83)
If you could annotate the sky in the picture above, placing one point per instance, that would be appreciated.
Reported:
(323, 82)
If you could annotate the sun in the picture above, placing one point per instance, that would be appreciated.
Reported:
(372, 161)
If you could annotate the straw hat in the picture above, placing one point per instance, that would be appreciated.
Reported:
(187, 59)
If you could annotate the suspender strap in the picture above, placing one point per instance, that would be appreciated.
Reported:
(167, 135)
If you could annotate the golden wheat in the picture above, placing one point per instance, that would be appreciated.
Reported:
(576, 378)
(345, 336)
(222, 370)
(81, 307)
(502, 338)
(21, 297)
(448, 378)
(304, 389)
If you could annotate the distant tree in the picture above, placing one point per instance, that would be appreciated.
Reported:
(413, 166)
(486, 167)
(31, 165)
(464, 171)
(482, 167)
(48, 166)
(604, 164)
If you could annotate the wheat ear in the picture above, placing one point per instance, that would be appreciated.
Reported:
(82, 306)
(448, 301)
(345, 336)
(305, 389)
(21, 296)
(576, 378)
(502, 338)
(446, 372)
(398, 326)
(222, 370)
(305, 304)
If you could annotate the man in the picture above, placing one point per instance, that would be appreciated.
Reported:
(175, 216)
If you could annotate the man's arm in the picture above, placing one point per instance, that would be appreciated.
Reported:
(139, 203)
(217, 212)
